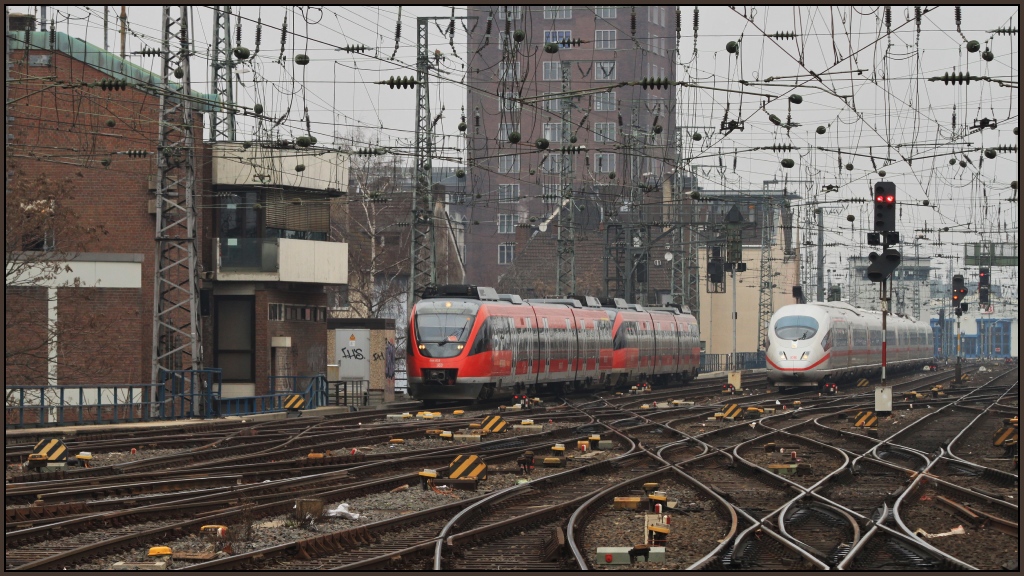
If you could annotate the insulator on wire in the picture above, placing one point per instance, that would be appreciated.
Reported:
(632, 22)
(887, 11)
(53, 34)
(398, 32)
(696, 20)
(490, 23)
(957, 14)
(784, 35)
(238, 33)
(679, 23)
(259, 35)
(284, 34)
(136, 153)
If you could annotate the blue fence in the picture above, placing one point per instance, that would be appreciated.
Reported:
(727, 362)
(179, 394)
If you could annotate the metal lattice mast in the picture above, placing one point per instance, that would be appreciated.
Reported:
(917, 280)
(423, 256)
(566, 240)
(176, 333)
(222, 122)
(765, 300)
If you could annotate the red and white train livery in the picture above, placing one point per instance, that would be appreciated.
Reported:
(821, 342)
(468, 342)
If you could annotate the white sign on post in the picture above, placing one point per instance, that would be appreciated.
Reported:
(883, 399)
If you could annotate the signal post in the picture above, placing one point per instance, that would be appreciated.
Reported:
(881, 267)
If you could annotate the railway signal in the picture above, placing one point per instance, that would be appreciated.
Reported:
(882, 265)
(983, 286)
(959, 292)
(885, 207)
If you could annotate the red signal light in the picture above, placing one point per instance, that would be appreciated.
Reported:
(879, 198)
(890, 199)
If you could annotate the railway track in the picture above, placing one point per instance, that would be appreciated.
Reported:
(779, 525)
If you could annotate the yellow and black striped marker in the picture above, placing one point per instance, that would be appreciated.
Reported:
(863, 382)
(1004, 435)
(49, 451)
(467, 467)
(294, 402)
(494, 424)
(866, 419)
(731, 411)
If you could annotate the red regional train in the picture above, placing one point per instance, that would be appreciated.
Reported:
(471, 343)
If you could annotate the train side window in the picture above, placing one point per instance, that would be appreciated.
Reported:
(482, 343)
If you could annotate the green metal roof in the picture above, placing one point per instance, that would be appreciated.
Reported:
(114, 66)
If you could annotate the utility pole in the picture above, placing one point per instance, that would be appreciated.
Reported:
(821, 254)
(124, 25)
(176, 334)
(565, 281)
(424, 254)
(423, 249)
(222, 122)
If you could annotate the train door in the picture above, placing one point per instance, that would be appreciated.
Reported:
(545, 347)
(528, 349)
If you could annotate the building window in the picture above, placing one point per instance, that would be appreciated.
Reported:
(560, 37)
(606, 12)
(552, 102)
(604, 162)
(508, 164)
(553, 132)
(506, 252)
(235, 336)
(508, 193)
(506, 128)
(510, 12)
(604, 132)
(552, 71)
(507, 223)
(507, 72)
(557, 12)
(604, 70)
(553, 163)
(604, 102)
(604, 40)
(550, 193)
(297, 313)
(510, 101)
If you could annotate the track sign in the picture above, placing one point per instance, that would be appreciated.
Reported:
(862, 382)
(49, 451)
(467, 467)
(731, 411)
(494, 424)
(866, 419)
(294, 402)
(1004, 435)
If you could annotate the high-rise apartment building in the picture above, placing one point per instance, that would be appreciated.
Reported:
(558, 119)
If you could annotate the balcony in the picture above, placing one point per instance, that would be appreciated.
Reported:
(281, 260)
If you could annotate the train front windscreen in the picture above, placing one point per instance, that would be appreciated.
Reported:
(796, 327)
(443, 327)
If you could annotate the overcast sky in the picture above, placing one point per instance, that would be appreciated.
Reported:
(889, 110)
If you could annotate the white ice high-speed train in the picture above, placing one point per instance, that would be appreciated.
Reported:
(812, 344)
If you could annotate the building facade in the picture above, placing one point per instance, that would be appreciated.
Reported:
(558, 123)
(264, 251)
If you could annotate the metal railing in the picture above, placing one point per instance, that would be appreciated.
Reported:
(37, 406)
(728, 362)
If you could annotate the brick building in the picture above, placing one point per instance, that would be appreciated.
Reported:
(265, 252)
(621, 153)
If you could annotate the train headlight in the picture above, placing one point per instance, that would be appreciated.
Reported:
(782, 355)
(422, 346)
(460, 347)
(804, 355)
